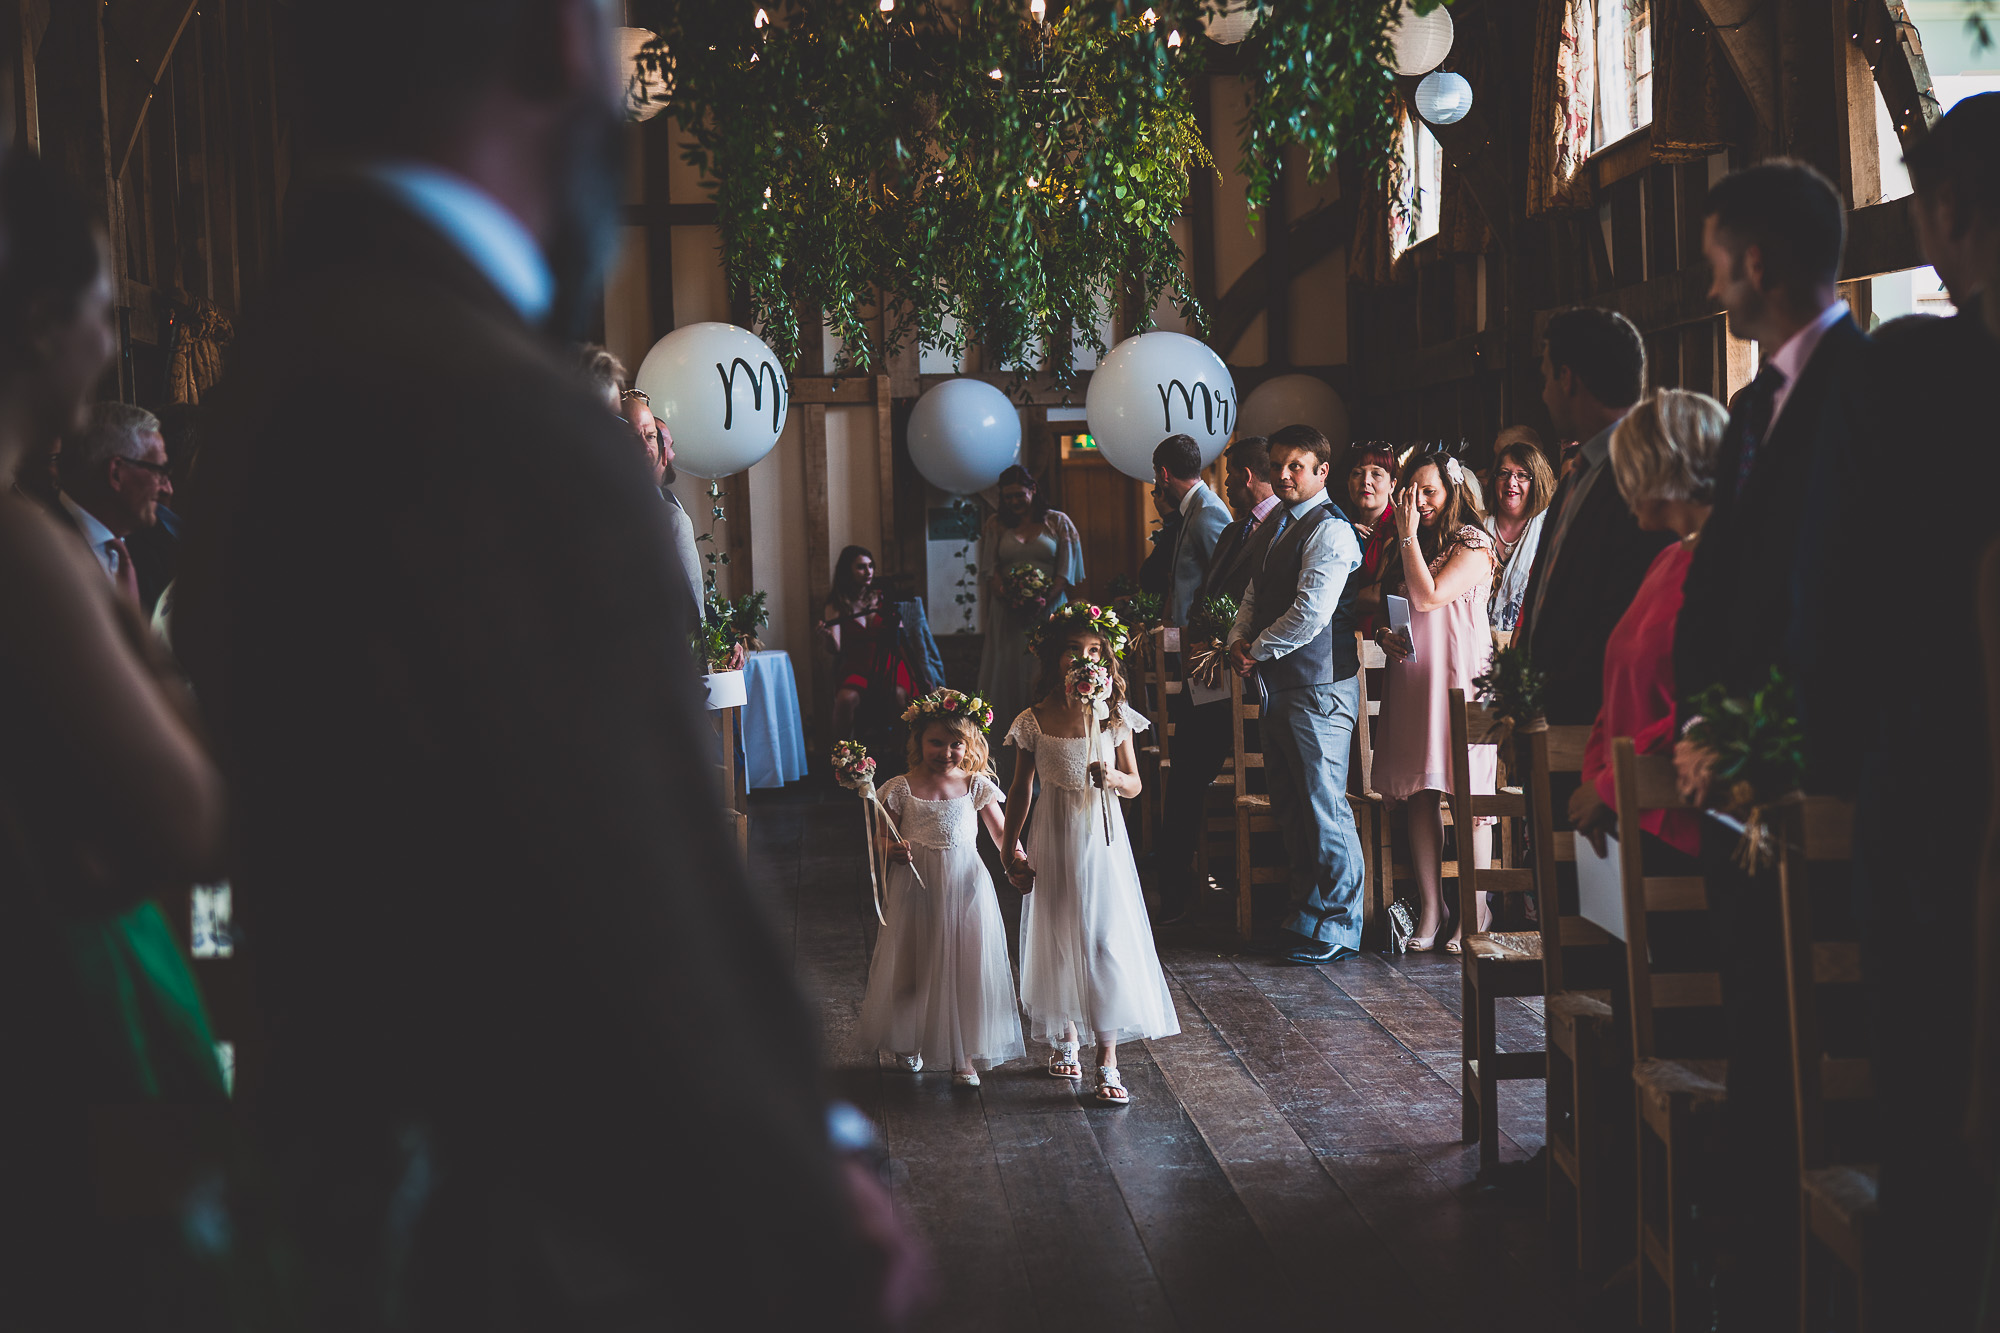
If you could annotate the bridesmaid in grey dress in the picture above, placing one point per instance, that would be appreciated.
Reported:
(1024, 529)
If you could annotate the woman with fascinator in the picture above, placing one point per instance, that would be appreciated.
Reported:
(1443, 564)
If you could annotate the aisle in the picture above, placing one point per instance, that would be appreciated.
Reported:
(1294, 1153)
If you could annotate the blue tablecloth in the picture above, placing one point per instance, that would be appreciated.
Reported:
(774, 734)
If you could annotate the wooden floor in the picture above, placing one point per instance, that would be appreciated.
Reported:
(1293, 1154)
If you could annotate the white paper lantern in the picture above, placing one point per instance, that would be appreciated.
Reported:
(1155, 385)
(1420, 41)
(721, 392)
(648, 85)
(1294, 400)
(963, 434)
(1233, 24)
(1444, 98)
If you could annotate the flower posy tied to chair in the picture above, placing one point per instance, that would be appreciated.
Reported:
(854, 769)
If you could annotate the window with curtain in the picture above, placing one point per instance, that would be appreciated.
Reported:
(1419, 187)
(1605, 72)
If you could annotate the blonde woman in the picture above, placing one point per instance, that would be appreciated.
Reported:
(1663, 456)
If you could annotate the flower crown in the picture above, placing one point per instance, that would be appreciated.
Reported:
(1081, 615)
(950, 703)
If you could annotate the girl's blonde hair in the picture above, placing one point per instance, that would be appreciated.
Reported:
(1055, 650)
(978, 759)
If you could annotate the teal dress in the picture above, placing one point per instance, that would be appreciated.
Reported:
(1007, 668)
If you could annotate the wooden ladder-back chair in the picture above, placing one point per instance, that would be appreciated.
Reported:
(1253, 809)
(1836, 1201)
(1678, 1099)
(1371, 812)
(1585, 1121)
(1149, 683)
(1495, 964)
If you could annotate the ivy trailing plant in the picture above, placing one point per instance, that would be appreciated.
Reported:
(957, 171)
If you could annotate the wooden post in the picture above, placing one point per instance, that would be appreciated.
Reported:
(888, 549)
(819, 559)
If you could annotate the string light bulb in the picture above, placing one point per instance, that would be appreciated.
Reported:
(1037, 10)
(1149, 18)
(1174, 39)
(887, 6)
(1033, 183)
(762, 20)
(995, 74)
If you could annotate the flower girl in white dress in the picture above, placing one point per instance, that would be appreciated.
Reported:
(1087, 956)
(940, 988)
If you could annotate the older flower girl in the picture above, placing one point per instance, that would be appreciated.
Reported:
(1087, 957)
(940, 987)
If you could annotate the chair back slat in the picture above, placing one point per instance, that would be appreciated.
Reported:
(1566, 748)
(1538, 755)
(1641, 783)
(1816, 831)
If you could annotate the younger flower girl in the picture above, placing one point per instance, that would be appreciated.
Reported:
(1087, 957)
(940, 987)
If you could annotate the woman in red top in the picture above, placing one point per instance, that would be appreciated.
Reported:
(1663, 455)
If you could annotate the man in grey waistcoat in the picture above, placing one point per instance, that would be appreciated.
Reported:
(1295, 632)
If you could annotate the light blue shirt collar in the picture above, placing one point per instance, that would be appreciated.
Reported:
(1301, 508)
(487, 234)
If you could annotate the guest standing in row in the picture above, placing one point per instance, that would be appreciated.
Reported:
(1371, 486)
(1523, 485)
(657, 446)
(114, 483)
(1202, 737)
(1663, 459)
(503, 1105)
(1591, 556)
(1295, 634)
(1773, 235)
(1025, 530)
(1444, 567)
(1177, 474)
(107, 797)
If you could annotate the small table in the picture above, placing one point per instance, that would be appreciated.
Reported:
(774, 732)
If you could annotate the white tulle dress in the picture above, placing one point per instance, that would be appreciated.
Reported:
(1087, 953)
(940, 985)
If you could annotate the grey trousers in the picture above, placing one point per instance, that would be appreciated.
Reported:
(1308, 735)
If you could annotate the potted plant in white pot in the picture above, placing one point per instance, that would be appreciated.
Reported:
(716, 645)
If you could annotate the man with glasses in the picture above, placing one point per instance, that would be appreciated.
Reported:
(114, 476)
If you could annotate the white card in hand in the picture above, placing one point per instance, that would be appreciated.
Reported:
(1399, 621)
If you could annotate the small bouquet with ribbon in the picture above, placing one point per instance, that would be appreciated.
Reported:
(1026, 586)
(1207, 639)
(1760, 757)
(1512, 689)
(854, 769)
(1087, 685)
(1139, 610)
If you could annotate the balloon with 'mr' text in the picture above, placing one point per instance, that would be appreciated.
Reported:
(963, 434)
(722, 394)
(1155, 385)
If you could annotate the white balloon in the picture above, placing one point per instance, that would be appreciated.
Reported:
(1419, 41)
(1155, 385)
(1294, 400)
(722, 394)
(963, 434)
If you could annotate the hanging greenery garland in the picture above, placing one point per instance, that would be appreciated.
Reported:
(1003, 178)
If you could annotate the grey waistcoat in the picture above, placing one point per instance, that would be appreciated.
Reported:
(1330, 655)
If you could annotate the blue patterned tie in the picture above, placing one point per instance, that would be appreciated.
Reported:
(1757, 405)
(1284, 521)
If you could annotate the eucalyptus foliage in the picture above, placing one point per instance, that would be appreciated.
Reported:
(860, 156)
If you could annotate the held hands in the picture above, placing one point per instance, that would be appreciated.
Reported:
(1694, 770)
(1019, 873)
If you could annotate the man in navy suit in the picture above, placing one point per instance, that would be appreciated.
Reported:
(1177, 474)
(1773, 235)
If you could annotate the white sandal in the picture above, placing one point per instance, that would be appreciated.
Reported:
(912, 1064)
(1064, 1063)
(1111, 1088)
(966, 1080)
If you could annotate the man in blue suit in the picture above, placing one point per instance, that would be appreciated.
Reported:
(1177, 474)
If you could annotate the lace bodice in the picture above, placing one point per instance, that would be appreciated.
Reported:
(1478, 539)
(939, 824)
(1064, 761)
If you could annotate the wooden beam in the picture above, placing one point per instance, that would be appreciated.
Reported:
(1201, 199)
(140, 40)
(1278, 289)
(1880, 239)
(836, 388)
(819, 559)
(660, 212)
(737, 537)
(1304, 243)
(656, 144)
(887, 549)
(1748, 31)
(1459, 359)
(1890, 43)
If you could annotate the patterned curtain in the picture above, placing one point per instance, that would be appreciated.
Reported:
(1565, 89)
(1692, 111)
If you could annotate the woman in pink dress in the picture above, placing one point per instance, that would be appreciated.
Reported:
(1443, 563)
